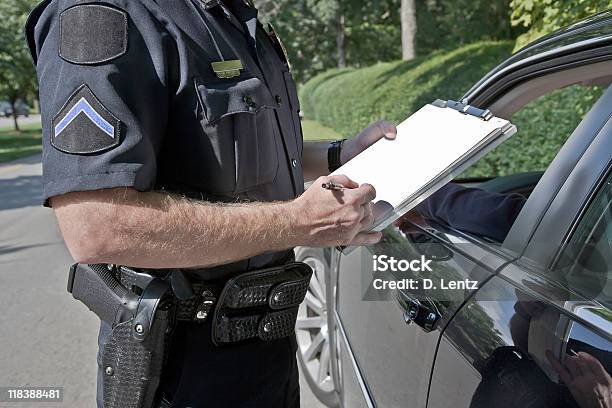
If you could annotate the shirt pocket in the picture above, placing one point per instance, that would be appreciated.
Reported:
(239, 121)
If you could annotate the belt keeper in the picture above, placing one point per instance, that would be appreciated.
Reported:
(205, 306)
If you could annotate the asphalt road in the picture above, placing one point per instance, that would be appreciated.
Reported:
(47, 339)
(8, 122)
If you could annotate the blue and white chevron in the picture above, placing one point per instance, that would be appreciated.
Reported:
(82, 106)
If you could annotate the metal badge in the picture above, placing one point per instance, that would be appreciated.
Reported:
(227, 69)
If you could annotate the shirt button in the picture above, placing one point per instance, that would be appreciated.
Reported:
(294, 163)
(248, 99)
(279, 100)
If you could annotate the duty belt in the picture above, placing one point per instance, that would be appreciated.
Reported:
(261, 304)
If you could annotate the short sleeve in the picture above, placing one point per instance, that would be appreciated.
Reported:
(104, 94)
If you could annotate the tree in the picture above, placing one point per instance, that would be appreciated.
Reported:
(409, 29)
(341, 35)
(17, 73)
(324, 34)
(448, 24)
(333, 12)
(541, 17)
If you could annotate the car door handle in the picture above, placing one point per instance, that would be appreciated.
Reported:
(423, 313)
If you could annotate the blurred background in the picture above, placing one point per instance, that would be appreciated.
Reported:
(356, 61)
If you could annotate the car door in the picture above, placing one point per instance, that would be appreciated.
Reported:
(386, 353)
(385, 361)
(553, 303)
(499, 349)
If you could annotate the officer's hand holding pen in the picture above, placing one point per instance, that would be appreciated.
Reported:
(337, 214)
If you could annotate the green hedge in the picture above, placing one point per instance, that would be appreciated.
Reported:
(348, 100)
(544, 125)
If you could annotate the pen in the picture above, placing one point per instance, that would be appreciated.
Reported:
(333, 186)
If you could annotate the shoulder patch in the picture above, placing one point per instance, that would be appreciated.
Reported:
(93, 34)
(84, 125)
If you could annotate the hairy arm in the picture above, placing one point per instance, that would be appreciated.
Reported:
(158, 230)
(154, 230)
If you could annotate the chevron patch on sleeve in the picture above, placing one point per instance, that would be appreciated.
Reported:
(84, 125)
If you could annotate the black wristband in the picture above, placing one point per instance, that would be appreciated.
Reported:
(333, 155)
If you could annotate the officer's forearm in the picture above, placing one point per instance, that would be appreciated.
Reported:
(315, 160)
(154, 230)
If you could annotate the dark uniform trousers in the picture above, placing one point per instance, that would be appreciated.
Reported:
(199, 374)
(131, 97)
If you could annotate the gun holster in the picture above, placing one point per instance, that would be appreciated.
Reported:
(141, 316)
(142, 309)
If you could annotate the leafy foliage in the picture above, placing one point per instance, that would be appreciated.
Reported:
(447, 24)
(545, 16)
(348, 100)
(544, 126)
(309, 28)
(17, 74)
(373, 31)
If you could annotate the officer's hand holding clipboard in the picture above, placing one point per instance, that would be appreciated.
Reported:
(433, 145)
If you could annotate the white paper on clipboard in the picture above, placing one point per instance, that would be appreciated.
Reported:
(432, 146)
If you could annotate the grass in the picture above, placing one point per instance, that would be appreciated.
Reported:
(14, 145)
(313, 130)
(347, 100)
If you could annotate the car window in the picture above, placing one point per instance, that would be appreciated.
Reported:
(596, 27)
(585, 264)
(543, 125)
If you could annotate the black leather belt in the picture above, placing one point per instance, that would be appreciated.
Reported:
(261, 304)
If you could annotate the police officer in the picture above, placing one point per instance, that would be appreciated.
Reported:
(172, 139)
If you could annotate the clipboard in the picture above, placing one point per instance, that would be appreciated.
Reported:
(433, 146)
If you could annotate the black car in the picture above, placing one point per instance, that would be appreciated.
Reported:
(542, 295)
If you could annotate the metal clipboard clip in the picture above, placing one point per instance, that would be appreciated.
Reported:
(466, 109)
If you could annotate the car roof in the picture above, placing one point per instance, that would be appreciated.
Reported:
(594, 27)
(592, 32)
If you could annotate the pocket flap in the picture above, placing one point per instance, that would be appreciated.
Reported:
(247, 94)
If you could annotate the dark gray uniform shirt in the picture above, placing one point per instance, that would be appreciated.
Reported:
(129, 99)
